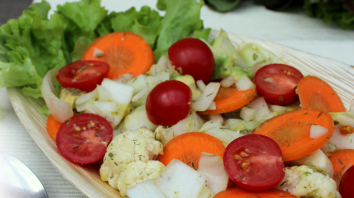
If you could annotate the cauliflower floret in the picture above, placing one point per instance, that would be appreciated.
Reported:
(189, 81)
(303, 181)
(128, 154)
(137, 172)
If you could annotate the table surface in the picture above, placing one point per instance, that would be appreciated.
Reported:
(292, 28)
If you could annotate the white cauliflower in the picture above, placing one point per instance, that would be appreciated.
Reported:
(128, 159)
(303, 181)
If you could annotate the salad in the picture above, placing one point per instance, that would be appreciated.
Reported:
(207, 120)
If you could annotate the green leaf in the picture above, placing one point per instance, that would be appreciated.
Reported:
(161, 5)
(86, 14)
(43, 7)
(202, 34)
(44, 110)
(80, 47)
(146, 23)
(181, 19)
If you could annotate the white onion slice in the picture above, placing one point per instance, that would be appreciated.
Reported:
(248, 114)
(121, 93)
(97, 52)
(261, 106)
(60, 110)
(216, 118)
(277, 108)
(93, 95)
(244, 83)
(141, 94)
(212, 166)
(103, 94)
(201, 85)
(227, 82)
(351, 108)
(317, 131)
(207, 97)
(212, 106)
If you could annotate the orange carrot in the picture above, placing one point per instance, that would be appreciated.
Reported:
(316, 93)
(230, 99)
(341, 160)
(125, 52)
(53, 127)
(241, 193)
(291, 131)
(188, 148)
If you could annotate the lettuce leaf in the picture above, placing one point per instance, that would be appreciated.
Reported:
(146, 23)
(181, 19)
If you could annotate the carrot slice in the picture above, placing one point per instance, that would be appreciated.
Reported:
(316, 93)
(241, 193)
(341, 160)
(291, 131)
(230, 99)
(53, 127)
(125, 52)
(188, 148)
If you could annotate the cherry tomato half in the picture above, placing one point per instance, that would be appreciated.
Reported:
(346, 185)
(277, 82)
(254, 162)
(168, 103)
(84, 138)
(193, 57)
(83, 75)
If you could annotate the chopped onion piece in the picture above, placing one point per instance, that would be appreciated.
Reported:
(244, 83)
(139, 83)
(201, 85)
(277, 108)
(269, 79)
(261, 106)
(209, 125)
(212, 166)
(247, 114)
(141, 94)
(60, 110)
(207, 97)
(227, 82)
(317, 131)
(145, 189)
(124, 78)
(216, 118)
(97, 52)
(121, 93)
(103, 94)
(212, 106)
(93, 95)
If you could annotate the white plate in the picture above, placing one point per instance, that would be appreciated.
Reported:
(86, 178)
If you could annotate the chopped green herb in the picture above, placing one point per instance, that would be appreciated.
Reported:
(255, 56)
(336, 122)
(82, 68)
(97, 134)
(110, 155)
(340, 162)
(76, 147)
(281, 98)
(193, 166)
(68, 123)
(99, 54)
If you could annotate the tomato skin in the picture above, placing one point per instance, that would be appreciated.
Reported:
(194, 57)
(346, 185)
(253, 162)
(92, 74)
(282, 90)
(83, 138)
(168, 103)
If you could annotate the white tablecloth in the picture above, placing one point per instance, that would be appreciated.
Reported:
(291, 28)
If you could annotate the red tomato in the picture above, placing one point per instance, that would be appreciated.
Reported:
(346, 185)
(168, 103)
(254, 162)
(83, 75)
(193, 57)
(277, 82)
(83, 139)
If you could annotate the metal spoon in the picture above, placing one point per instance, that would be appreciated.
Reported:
(17, 180)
